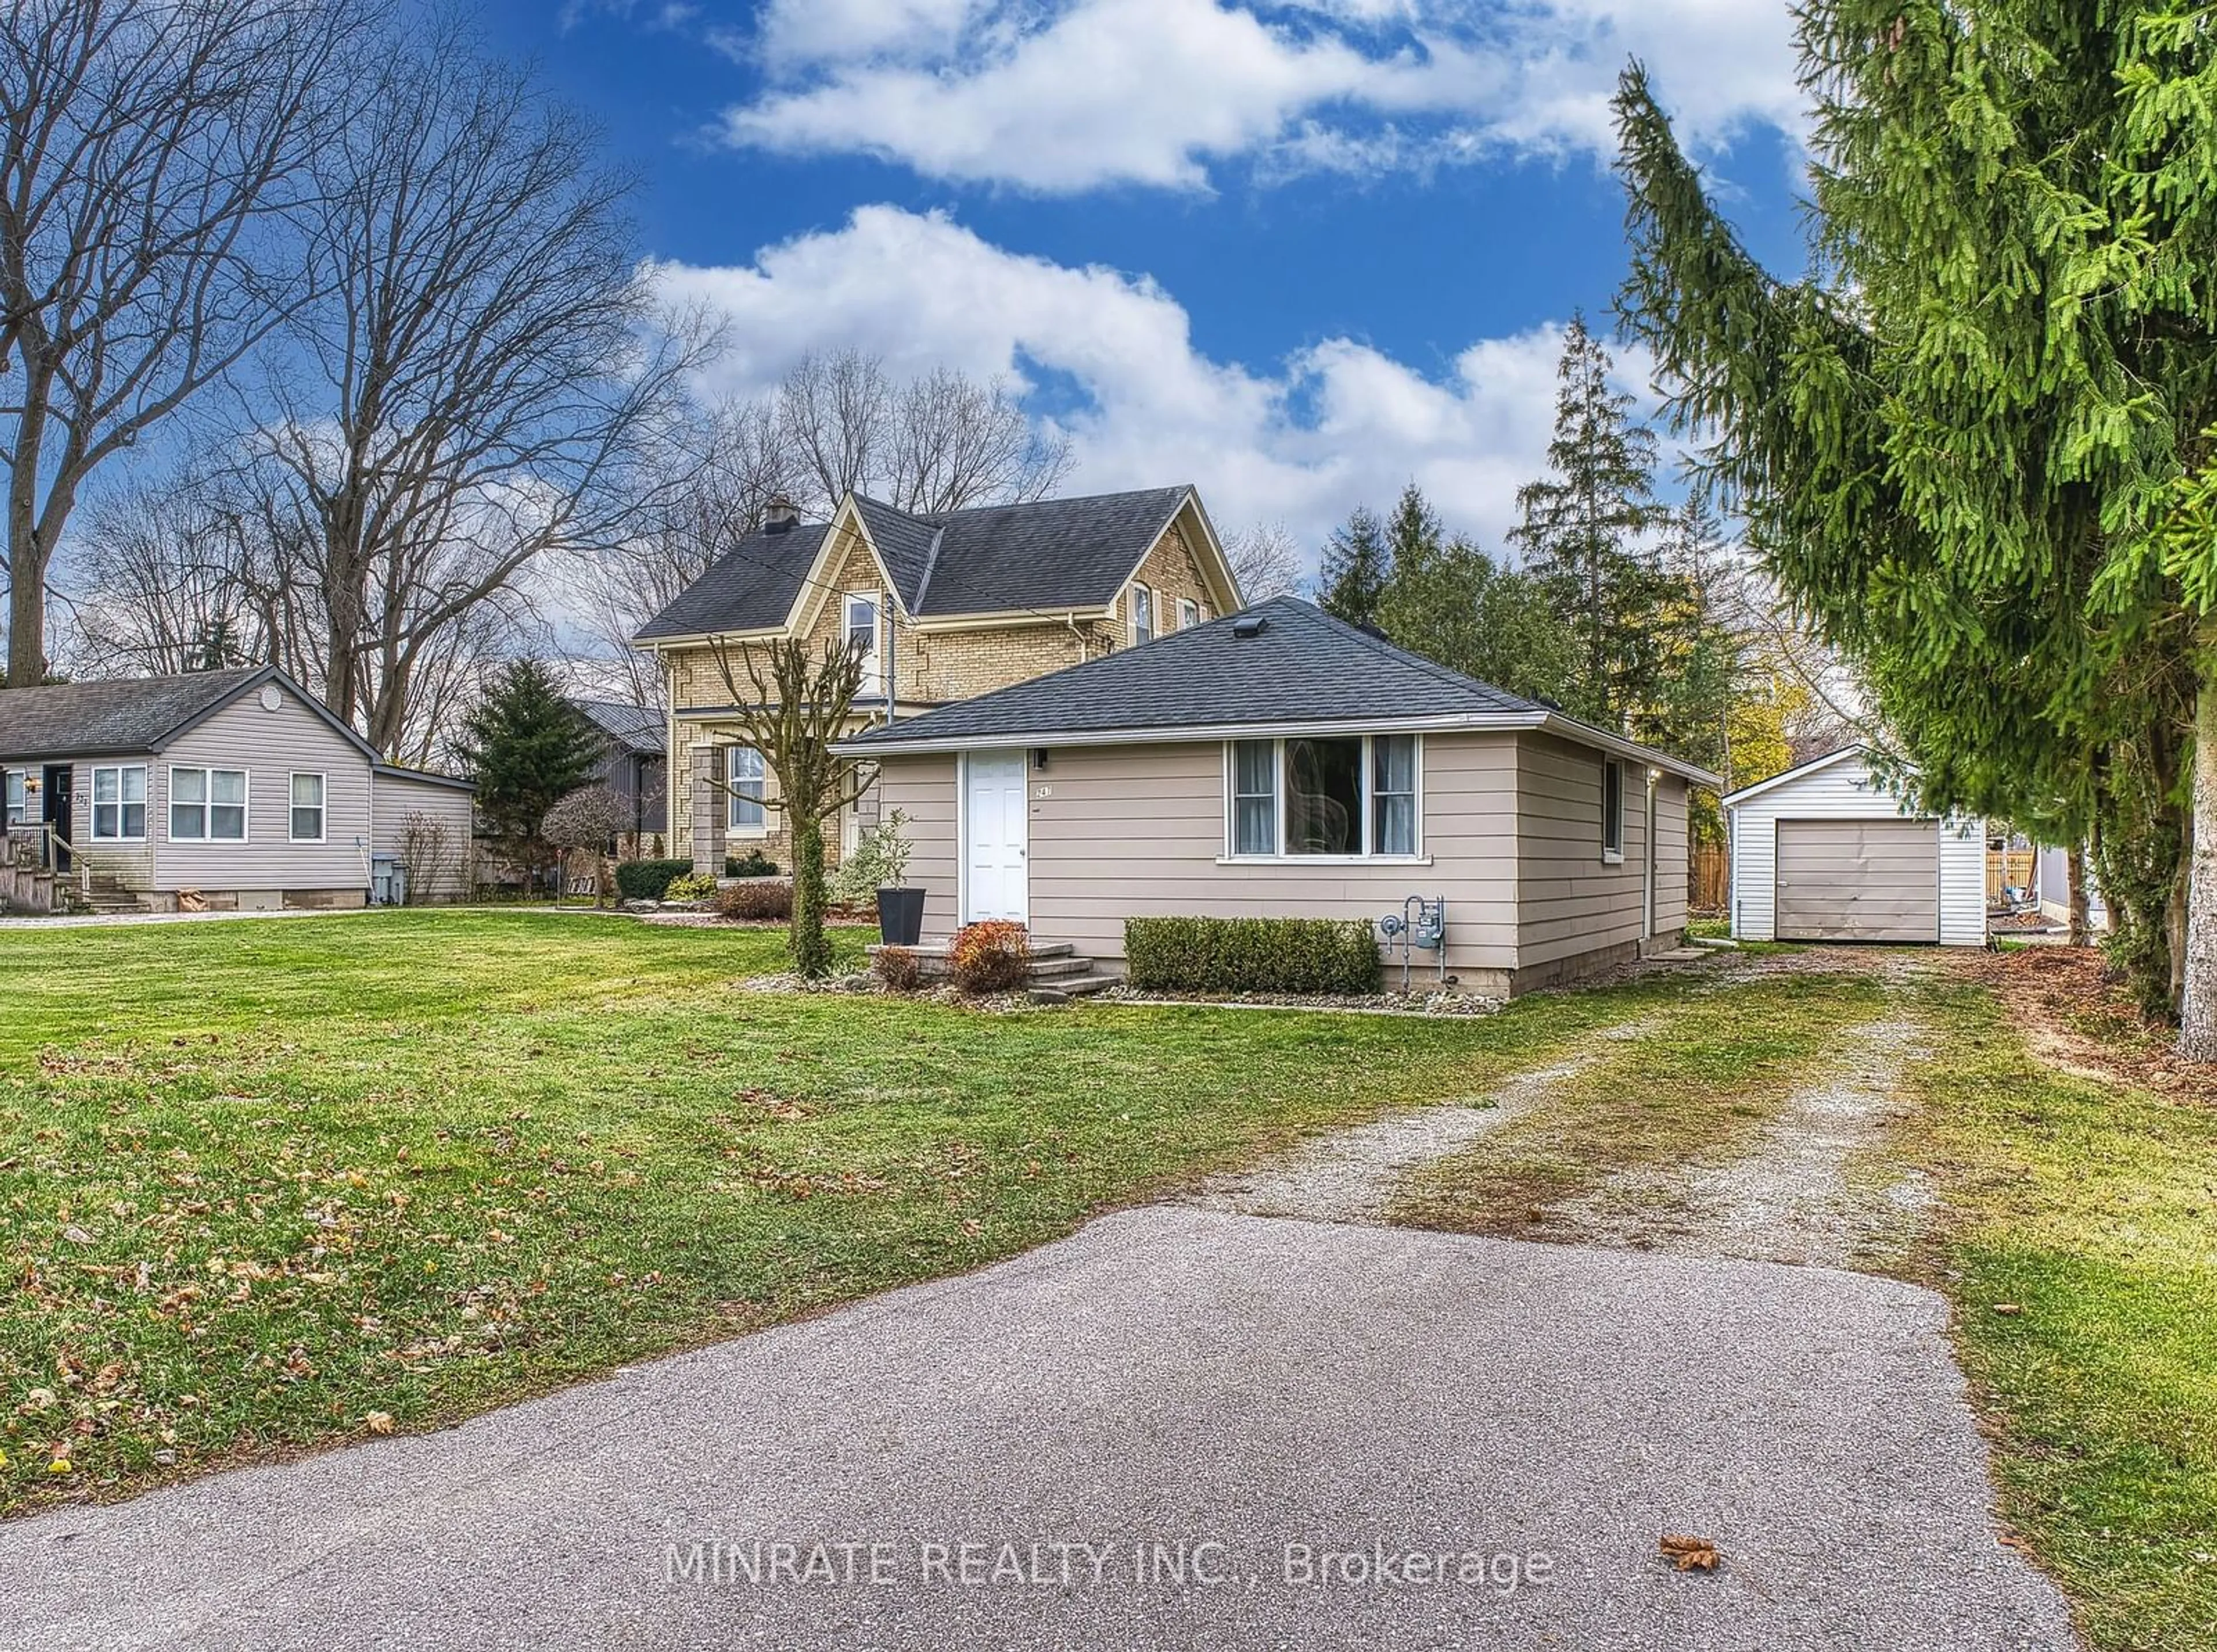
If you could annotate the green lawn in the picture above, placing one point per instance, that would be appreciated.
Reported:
(2089, 1207)
(269, 1184)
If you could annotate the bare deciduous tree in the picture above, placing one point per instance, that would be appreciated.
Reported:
(793, 704)
(169, 583)
(477, 379)
(942, 442)
(1266, 562)
(147, 154)
(706, 488)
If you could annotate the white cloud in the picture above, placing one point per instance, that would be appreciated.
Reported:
(1336, 425)
(1061, 95)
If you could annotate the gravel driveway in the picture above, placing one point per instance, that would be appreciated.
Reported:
(1171, 1389)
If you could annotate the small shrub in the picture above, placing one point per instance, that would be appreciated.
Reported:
(898, 968)
(994, 956)
(694, 886)
(764, 899)
(880, 862)
(753, 864)
(648, 880)
(1252, 954)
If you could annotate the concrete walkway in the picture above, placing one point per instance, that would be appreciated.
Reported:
(1172, 1390)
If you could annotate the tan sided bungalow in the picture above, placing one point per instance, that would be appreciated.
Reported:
(1280, 763)
(225, 789)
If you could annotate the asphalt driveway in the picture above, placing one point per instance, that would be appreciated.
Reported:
(1179, 1427)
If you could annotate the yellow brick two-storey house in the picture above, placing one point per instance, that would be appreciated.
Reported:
(942, 607)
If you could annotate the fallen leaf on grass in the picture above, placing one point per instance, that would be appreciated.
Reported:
(2009, 1309)
(379, 1422)
(1691, 1554)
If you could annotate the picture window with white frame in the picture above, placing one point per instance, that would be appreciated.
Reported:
(1342, 796)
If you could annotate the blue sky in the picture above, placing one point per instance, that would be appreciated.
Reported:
(1296, 251)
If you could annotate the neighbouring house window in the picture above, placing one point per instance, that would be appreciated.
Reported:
(118, 805)
(1612, 809)
(208, 804)
(307, 808)
(11, 802)
(1393, 794)
(1189, 612)
(862, 637)
(1143, 616)
(744, 774)
(1254, 797)
(1349, 796)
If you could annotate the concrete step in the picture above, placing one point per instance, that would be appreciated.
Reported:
(1049, 968)
(935, 951)
(1060, 989)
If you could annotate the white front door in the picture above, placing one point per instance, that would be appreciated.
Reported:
(994, 810)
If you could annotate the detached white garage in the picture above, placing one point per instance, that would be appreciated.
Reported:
(1825, 853)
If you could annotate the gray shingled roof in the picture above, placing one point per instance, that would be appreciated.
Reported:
(639, 727)
(1049, 555)
(749, 588)
(73, 720)
(1304, 667)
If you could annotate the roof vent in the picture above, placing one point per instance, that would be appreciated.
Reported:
(781, 515)
(1250, 625)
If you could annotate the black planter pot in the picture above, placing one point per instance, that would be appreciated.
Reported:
(900, 916)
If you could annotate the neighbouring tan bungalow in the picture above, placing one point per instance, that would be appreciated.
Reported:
(225, 789)
(1280, 762)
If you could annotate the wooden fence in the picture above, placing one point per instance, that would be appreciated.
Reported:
(1708, 878)
(2009, 867)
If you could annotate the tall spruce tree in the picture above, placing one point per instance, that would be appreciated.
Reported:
(1587, 533)
(1358, 563)
(1968, 441)
(527, 748)
(1412, 531)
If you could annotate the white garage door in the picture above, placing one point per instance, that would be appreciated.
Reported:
(1858, 880)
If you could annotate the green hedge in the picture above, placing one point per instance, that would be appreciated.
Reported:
(1251, 955)
(645, 880)
(753, 864)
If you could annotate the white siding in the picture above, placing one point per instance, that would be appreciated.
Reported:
(398, 797)
(1847, 791)
(271, 746)
(1962, 882)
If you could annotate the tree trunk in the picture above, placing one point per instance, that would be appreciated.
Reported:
(2197, 1002)
(811, 953)
(2082, 926)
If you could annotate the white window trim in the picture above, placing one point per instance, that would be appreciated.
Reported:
(1188, 613)
(873, 675)
(734, 827)
(207, 839)
(322, 805)
(1612, 856)
(1231, 856)
(1142, 593)
(22, 779)
(92, 802)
